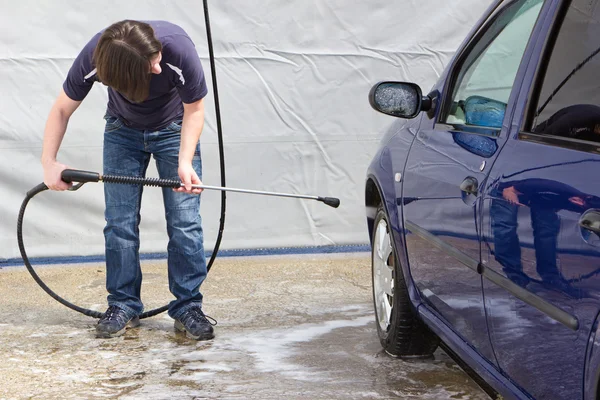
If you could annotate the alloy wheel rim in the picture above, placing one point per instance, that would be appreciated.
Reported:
(383, 275)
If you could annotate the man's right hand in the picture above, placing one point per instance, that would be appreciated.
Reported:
(52, 176)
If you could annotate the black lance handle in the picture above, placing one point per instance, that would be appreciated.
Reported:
(75, 175)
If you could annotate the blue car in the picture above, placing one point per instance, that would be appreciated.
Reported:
(483, 204)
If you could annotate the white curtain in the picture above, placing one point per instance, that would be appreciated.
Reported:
(293, 80)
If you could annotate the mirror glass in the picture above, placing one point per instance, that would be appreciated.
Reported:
(396, 98)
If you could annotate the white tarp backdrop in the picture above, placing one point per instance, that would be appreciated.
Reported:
(293, 80)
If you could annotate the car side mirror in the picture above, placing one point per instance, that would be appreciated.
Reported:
(399, 99)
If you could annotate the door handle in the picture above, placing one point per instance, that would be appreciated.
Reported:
(469, 186)
(590, 220)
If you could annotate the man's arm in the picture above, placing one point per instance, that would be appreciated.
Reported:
(191, 129)
(56, 126)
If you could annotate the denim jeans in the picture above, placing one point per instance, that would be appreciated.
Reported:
(127, 152)
(545, 225)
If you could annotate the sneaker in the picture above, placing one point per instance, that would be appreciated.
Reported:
(114, 322)
(195, 324)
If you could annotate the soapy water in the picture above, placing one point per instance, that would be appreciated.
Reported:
(336, 356)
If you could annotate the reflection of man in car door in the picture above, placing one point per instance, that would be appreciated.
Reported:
(544, 199)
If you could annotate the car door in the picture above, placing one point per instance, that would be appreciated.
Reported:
(448, 164)
(541, 214)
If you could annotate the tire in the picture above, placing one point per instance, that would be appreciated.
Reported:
(400, 331)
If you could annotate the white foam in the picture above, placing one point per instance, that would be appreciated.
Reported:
(272, 348)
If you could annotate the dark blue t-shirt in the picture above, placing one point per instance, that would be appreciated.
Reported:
(181, 80)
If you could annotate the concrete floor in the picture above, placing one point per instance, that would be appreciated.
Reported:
(288, 327)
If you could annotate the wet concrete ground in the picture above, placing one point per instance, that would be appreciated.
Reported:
(293, 327)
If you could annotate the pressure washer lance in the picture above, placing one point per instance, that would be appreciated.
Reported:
(73, 175)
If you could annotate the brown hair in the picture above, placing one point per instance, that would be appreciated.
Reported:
(122, 58)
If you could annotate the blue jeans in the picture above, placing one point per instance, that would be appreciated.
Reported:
(127, 152)
(545, 225)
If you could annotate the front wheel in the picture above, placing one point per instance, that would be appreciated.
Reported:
(401, 332)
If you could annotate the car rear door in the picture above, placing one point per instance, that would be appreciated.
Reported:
(541, 213)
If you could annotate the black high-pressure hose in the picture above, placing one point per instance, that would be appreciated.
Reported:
(219, 132)
(42, 187)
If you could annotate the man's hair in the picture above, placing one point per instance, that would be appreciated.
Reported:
(122, 58)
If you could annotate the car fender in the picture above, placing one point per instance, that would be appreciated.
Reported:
(380, 178)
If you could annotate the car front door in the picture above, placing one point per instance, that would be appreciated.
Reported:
(448, 164)
(541, 214)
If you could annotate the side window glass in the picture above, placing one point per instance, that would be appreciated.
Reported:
(483, 83)
(569, 99)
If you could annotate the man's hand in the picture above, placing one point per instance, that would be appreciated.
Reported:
(52, 176)
(511, 195)
(189, 177)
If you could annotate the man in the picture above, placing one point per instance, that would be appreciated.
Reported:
(156, 89)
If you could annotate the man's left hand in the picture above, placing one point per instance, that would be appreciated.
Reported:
(188, 177)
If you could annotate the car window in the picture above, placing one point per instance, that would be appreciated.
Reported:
(568, 105)
(487, 73)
